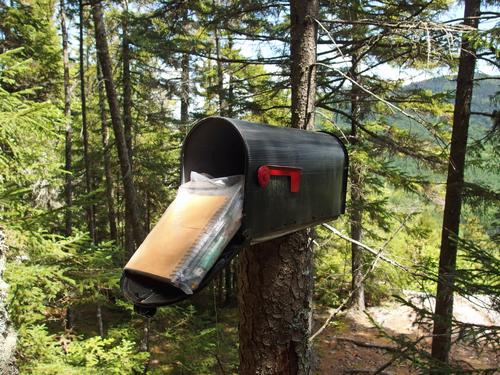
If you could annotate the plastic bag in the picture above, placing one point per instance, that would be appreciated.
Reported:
(193, 231)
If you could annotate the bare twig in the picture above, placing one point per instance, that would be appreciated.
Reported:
(392, 107)
(334, 124)
(378, 255)
(434, 26)
(367, 344)
(367, 248)
(399, 353)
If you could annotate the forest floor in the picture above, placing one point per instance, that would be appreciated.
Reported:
(182, 339)
(381, 339)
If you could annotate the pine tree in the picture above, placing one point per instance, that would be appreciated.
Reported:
(131, 200)
(441, 341)
(68, 193)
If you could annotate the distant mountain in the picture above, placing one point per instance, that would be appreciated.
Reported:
(484, 90)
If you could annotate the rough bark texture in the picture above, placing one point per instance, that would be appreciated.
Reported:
(100, 323)
(68, 131)
(441, 341)
(356, 213)
(113, 231)
(275, 299)
(358, 296)
(89, 209)
(114, 109)
(220, 76)
(228, 285)
(127, 84)
(230, 90)
(275, 280)
(127, 123)
(185, 88)
(7, 334)
(303, 56)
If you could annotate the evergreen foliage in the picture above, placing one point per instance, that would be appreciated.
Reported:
(231, 58)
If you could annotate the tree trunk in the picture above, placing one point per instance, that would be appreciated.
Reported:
(185, 89)
(441, 342)
(100, 323)
(303, 56)
(127, 85)
(220, 76)
(235, 264)
(130, 246)
(275, 280)
(219, 289)
(228, 287)
(126, 170)
(148, 213)
(357, 286)
(275, 283)
(230, 90)
(7, 332)
(89, 209)
(145, 342)
(356, 213)
(68, 183)
(113, 231)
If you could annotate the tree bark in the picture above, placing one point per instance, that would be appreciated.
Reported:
(303, 56)
(228, 287)
(7, 332)
(185, 83)
(125, 167)
(68, 179)
(113, 231)
(275, 283)
(220, 76)
(127, 85)
(89, 209)
(356, 213)
(130, 246)
(185, 89)
(145, 342)
(357, 285)
(68, 131)
(230, 90)
(100, 323)
(441, 342)
(275, 279)
(219, 288)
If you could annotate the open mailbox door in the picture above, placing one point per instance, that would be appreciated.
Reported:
(294, 179)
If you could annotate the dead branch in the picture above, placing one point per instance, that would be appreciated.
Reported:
(365, 344)
(367, 248)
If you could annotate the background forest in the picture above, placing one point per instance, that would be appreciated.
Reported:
(89, 160)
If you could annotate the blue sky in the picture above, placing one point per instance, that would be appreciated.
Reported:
(252, 49)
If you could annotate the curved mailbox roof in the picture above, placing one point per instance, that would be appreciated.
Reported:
(221, 146)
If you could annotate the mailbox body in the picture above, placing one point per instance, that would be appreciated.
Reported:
(304, 183)
(223, 147)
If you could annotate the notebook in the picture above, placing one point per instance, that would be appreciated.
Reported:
(168, 246)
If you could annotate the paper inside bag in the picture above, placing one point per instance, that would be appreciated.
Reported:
(172, 238)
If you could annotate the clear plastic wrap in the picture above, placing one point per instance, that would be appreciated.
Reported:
(192, 233)
(219, 231)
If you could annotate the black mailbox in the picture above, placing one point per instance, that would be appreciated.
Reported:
(293, 179)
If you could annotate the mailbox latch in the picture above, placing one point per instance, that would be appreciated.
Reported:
(265, 172)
